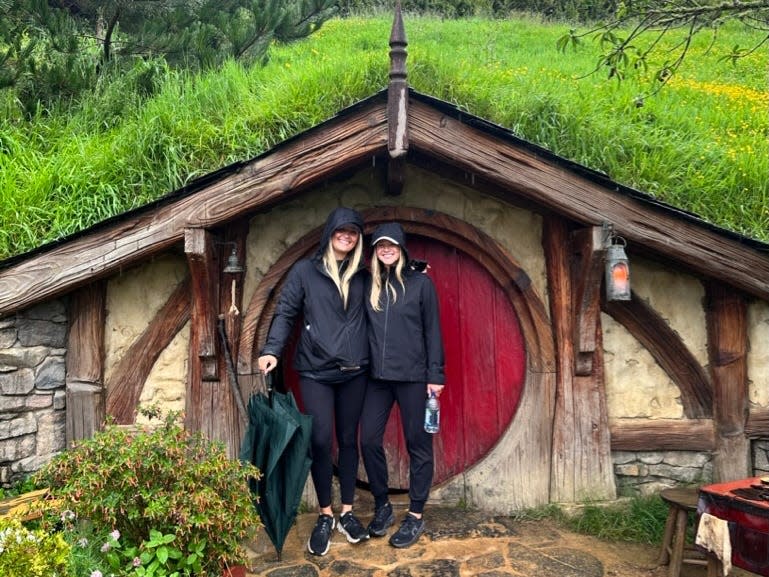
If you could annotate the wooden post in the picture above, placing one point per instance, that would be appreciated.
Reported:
(84, 382)
(590, 253)
(727, 355)
(228, 423)
(582, 465)
(202, 385)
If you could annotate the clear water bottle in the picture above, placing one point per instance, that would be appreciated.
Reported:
(432, 414)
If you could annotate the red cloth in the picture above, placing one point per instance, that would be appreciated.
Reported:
(748, 519)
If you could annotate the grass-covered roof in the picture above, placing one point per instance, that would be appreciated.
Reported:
(700, 144)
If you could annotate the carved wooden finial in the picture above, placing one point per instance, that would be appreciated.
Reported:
(397, 103)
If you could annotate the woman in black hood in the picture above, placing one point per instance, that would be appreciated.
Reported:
(327, 293)
(406, 367)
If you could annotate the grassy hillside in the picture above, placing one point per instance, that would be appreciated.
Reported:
(700, 144)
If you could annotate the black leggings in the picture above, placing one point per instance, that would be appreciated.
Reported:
(334, 406)
(380, 398)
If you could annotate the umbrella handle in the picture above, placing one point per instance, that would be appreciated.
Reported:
(268, 383)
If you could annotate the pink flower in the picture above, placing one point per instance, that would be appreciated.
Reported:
(96, 573)
(106, 547)
(115, 534)
(136, 562)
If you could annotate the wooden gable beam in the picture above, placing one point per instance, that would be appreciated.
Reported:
(588, 248)
(204, 271)
(397, 107)
(551, 187)
(342, 142)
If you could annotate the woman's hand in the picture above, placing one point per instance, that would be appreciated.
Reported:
(267, 363)
(437, 389)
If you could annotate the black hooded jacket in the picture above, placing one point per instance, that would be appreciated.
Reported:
(405, 336)
(332, 345)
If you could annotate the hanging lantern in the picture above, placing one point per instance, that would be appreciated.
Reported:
(617, 271)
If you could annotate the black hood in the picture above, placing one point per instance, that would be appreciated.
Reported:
(393, 232)
(338, 218)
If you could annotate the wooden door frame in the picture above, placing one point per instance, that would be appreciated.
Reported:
(523, 453)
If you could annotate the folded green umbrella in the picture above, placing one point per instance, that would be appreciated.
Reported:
(277, 442)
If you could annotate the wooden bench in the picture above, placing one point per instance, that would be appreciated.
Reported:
(22, 506)
(675, 550)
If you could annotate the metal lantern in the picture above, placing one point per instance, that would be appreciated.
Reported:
(233, 264)
(617, 272)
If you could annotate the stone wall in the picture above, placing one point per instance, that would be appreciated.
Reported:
(32, 389)
(648, 472)
(760, 455)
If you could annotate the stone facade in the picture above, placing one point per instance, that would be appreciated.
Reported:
(32, 389)
(648, 472)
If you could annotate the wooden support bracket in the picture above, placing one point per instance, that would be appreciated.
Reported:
(588, 263)
(204, 271)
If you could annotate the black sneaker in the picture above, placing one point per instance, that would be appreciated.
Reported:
(321, 535)
(350, 527)
(408, 533)
(383, 519)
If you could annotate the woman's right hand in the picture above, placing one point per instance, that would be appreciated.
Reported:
(267, 363)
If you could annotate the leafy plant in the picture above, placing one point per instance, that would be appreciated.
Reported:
(90, 551)
(19, 488)
(156, 487)
(94, 553)
(33, 553)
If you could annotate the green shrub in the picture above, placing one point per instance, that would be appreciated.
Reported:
(20, 487)
(32, 553)
(164, 481)
(97, 553)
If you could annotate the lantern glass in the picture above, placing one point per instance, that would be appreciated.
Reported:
(617, 274)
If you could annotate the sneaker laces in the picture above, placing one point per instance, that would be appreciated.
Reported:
(410, 523)
(351, 523)
(381, 514)
(325, 525)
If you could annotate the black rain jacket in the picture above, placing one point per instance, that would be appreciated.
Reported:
(405, 337)
(332, 344)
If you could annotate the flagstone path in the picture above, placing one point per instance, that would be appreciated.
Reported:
(459, 543)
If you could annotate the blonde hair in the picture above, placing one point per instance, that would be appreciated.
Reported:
(376, 280)
(329, 262)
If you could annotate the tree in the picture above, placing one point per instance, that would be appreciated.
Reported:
(648, 21)
(50, 48)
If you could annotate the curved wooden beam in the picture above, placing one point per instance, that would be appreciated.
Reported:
(127, 380)
(667, 348)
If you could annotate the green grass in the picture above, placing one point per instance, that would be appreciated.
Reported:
(700, 144)
(639, 519)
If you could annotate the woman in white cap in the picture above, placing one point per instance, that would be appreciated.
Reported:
(406, 351)
(327, 292)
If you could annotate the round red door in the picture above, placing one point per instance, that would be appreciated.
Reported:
(485, 364)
